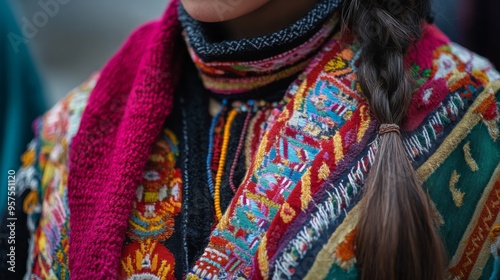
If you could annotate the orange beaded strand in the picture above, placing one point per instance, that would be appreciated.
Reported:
(222, 161)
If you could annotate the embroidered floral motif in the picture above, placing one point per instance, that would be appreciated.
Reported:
(147, 259)
(159, 196)
(157, 202)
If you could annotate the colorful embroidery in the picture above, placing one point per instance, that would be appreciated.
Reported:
(347, 142)
(45, 173)
(302, 130)
(324, 258)
(419, 139)
(147, 259)
(157, 202)
(159, 196)
(321, 218)
(345, 251)
(464, 264)
(288, 170)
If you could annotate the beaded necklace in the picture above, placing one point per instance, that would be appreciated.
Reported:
(229, 112)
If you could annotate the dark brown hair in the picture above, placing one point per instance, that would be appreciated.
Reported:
(396, 236)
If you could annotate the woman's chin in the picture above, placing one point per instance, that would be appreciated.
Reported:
(220, 10)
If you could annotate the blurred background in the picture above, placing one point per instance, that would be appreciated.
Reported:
(79, 38)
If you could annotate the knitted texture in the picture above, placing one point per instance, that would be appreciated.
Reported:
(209, 49)
(235, 77)
(123, 118)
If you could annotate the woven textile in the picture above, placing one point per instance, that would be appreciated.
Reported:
(307, 176)
(294, 215)
(232, 78)
(261, 67)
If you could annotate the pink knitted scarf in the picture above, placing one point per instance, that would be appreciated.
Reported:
(123, 117)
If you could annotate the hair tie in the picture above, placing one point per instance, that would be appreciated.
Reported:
(388, 128)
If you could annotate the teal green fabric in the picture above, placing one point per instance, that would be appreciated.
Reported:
(486, 152)
(21, 98)
(496, 270)
(336, 272)
(456, 219)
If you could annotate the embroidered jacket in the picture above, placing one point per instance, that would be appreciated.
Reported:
(295, 213)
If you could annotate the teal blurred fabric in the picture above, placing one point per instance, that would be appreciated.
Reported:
(21, 97)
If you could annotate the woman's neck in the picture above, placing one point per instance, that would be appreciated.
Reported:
(272, 17)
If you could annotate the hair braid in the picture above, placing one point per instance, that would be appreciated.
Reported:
(396, 238)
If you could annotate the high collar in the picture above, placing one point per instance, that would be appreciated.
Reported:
(260, 67)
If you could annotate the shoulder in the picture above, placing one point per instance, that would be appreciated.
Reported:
(462, 173)
(60, 124)
(452, 82)
(45, 159)
(43, 176)
(54, 131)
(451, 136)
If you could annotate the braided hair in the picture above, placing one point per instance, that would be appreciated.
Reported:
(396, 236)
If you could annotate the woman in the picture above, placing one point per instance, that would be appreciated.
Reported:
(274, 139)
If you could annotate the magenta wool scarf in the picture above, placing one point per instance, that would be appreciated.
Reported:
(123, 118)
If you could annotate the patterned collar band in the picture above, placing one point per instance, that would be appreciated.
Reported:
(261, 67)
